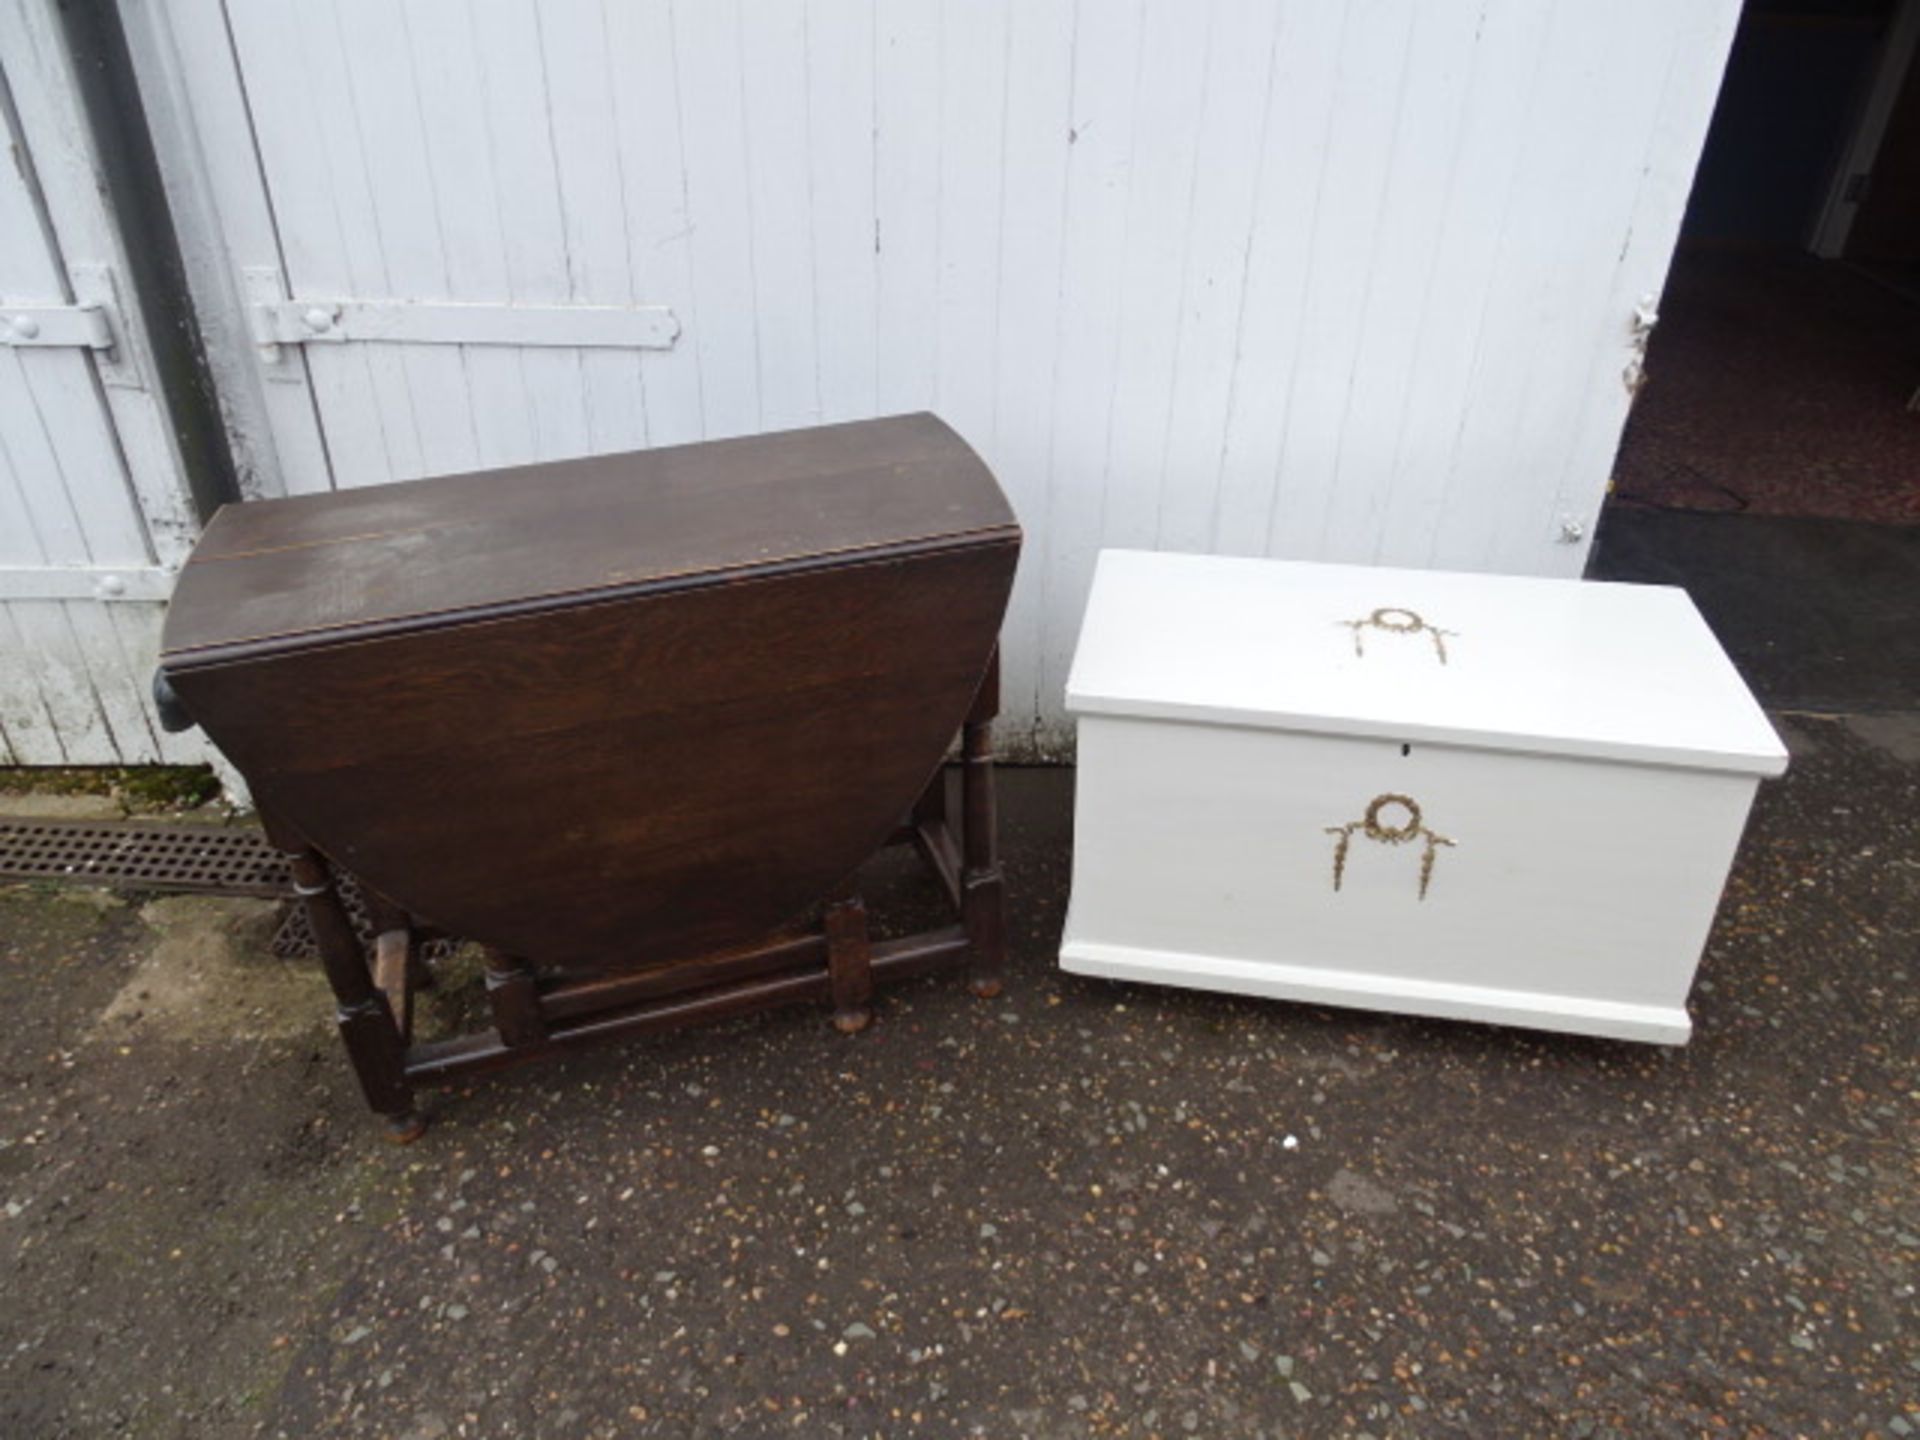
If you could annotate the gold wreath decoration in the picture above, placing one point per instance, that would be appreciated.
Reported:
(1373, 828)
(1397, 620)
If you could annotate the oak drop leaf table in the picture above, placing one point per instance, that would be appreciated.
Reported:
(628, 722)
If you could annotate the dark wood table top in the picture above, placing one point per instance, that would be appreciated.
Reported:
(608, 712)
(286, 574)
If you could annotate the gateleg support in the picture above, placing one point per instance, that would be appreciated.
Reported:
(931, 808)
(982, 900)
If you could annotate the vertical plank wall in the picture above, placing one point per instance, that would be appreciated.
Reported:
(1348, 279)
(67, 690)
(88, 474)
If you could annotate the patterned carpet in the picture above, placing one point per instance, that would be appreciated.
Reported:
(1778, 385)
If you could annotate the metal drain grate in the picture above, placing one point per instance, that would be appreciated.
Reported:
(137, 855)
(140, 855)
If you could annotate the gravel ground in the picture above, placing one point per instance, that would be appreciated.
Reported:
(1077, 1210)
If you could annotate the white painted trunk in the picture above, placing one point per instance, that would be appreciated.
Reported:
(1484, 797)
(1577, 895)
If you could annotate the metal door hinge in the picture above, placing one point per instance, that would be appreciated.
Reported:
(53, 327)
(1646, 315)
(92, 323)
(279, 322)
(134, 583)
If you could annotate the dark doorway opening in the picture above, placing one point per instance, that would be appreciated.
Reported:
(1772, 463)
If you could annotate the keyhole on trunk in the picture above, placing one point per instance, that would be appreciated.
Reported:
(1406, 749)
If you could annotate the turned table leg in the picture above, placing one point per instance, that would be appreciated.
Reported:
(515, 997)
(982, 904)
(396, 963)
(368, 1025)
(849, 964)
(391, 919)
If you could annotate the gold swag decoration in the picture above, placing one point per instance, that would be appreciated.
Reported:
(1371, 826)
(1396, 620)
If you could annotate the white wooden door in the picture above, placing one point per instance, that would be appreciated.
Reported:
(1340, 279)
(94, 516)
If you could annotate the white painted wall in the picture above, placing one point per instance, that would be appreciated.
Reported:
(1293, 277)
